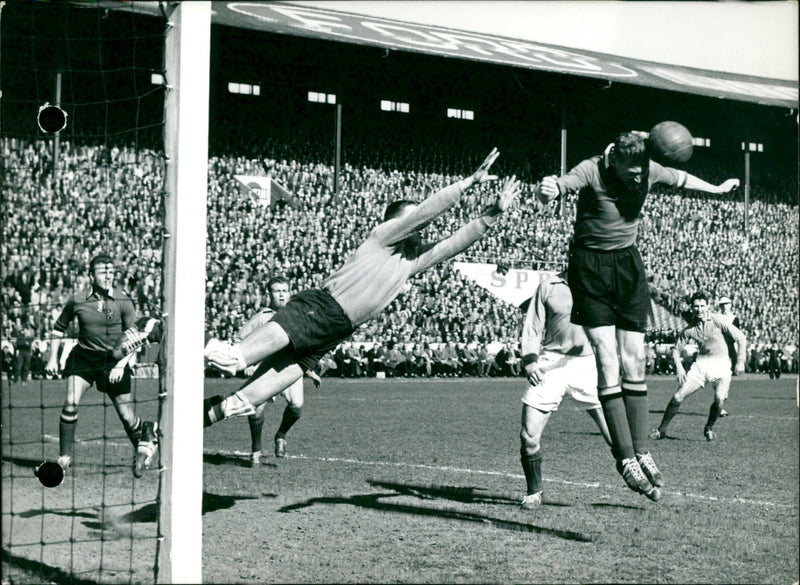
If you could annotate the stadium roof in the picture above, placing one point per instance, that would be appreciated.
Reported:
(321, 20)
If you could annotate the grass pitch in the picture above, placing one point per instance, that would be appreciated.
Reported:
(419, 481)
(411, 480)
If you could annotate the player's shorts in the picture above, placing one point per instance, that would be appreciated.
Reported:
(716, 370)
(315, 324)
(609, 287)
(94, 367)
(563, 374)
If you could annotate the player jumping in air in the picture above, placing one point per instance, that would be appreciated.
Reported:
(609, 287)
(709, 331)
(315, 321)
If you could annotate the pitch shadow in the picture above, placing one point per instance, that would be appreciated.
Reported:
(372, 501)
(682, 413)
(23, 461)
(466, 495)
(621, 506)
(47, 573)
(214, 502)
(234, 460)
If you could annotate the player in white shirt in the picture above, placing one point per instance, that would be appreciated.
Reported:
(278, 290)
(558, 360)
(709, 331)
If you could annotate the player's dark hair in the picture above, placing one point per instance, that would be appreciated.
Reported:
(630, 146)
(99, 260)
(698, 296)
(276, 280)
(395, 208)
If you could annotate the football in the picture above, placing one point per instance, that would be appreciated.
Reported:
(670, 142)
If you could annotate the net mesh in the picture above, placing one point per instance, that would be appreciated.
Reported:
(95, 186)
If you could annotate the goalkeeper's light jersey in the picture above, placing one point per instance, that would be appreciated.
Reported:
(375, 273)
(102, 317)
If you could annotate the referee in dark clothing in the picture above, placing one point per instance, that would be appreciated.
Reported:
(103, 314)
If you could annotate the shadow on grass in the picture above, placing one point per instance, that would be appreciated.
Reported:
(78, 468)
(37, 572)
(466, 495)
(372, 501)
(682, 413)
(234, 460)
(620, 506)
(23, 461)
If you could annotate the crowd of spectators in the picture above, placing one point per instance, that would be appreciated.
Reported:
(110, 199)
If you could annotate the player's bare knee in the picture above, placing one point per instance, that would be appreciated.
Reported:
(529, 444)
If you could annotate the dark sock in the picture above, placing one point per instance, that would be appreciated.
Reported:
(713, 415)
(669, 414)
(66, 432)
(134, 432)
(617, 421)
(256, 424)
(634, 394)
(212, 410)
(532, 466)
(291, 414)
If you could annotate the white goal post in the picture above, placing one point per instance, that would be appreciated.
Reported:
(187, 62)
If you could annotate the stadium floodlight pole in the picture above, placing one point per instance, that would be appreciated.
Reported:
(748, 147)
(337, 149)
(56, 136)
(747, 196)
(563, 166)
(187, 59)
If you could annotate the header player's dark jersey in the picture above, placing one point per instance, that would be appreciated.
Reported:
(102, 317)
(608, 212)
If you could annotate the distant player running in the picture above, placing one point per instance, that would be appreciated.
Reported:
(709, 331)
(316, 321)
(558, 361)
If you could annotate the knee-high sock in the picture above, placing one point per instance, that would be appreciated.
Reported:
(634, 394)
(669, 414)
(256, 424)
(532, 466)
(66, 431)
(713, 415)
(212, 410)
(291, 414)
(134, 432)
(617, 421)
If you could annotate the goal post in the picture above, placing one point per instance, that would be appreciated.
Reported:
(187, 61)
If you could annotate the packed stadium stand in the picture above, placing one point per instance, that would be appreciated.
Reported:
(688, 242)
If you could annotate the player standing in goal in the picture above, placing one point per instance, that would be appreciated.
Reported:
(315, 321)
(609, 286)
(103, 314)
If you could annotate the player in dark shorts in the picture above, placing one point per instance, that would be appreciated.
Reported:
(316, 321)
(609, 286)
(104, 315)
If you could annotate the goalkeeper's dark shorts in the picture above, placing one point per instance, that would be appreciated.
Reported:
(95, 367)
(609, 287)
(315, 324)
